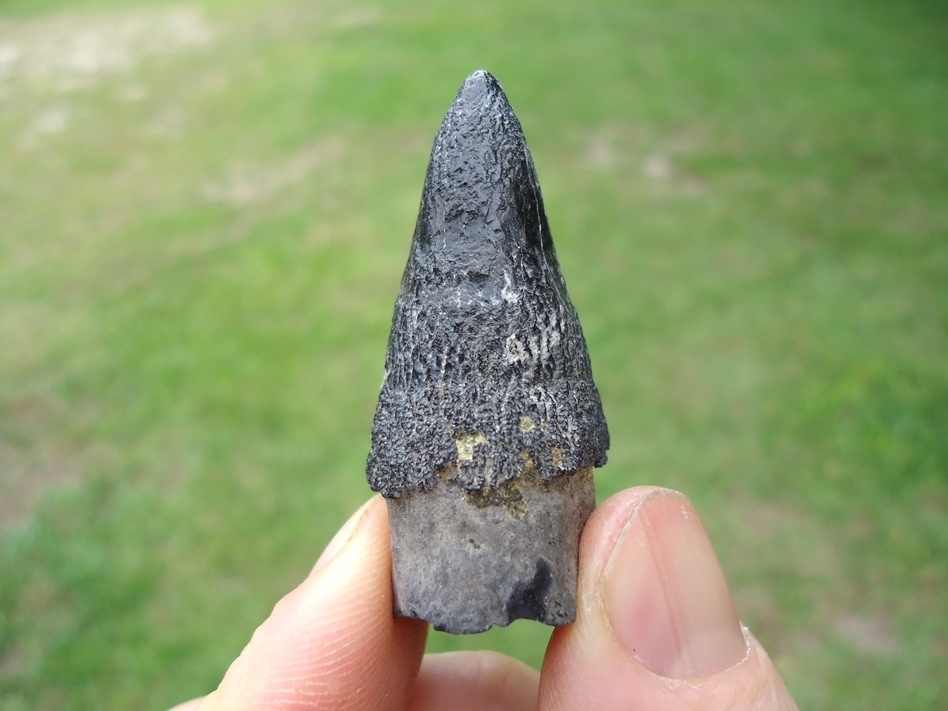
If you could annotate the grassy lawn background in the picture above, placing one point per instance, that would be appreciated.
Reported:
(205, 210)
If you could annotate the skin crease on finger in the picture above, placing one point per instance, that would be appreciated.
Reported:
(587, 667)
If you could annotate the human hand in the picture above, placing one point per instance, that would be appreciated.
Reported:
(655, 629)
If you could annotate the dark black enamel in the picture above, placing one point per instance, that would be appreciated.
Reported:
(486, 347)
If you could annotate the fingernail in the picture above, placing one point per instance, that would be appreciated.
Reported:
(665, 593)
(344, 535)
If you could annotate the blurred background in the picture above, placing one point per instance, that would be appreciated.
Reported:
(205, 210)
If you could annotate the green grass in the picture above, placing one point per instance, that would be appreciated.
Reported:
(201, 240)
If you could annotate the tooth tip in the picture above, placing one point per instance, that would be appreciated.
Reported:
(483, 81)
(480, 95)
(479, 152)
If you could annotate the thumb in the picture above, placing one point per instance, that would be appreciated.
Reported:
(332, 642)
(655, 626)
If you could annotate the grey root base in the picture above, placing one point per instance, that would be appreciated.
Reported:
(465, 561)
